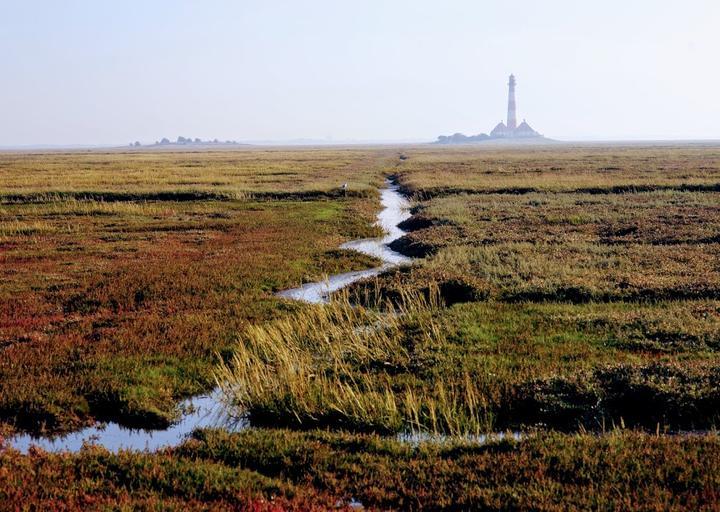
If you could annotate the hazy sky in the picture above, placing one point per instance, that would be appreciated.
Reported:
(98, 72)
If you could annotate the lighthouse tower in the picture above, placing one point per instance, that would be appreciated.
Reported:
(512, 130)
(511, 114)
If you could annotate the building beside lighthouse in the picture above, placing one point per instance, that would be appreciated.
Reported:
(512, 130)
(503, 131)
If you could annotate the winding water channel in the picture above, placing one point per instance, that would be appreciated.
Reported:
(395, 210)
(208, 410)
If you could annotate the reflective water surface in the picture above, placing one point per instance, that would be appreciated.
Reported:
(395, 210)
(198, 412)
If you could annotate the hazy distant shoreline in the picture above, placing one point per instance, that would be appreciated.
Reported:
(309, 143)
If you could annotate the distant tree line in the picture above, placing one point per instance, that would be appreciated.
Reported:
(459, 138)
(186, 141)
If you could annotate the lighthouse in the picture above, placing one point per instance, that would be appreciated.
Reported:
(512, 113)
(512, 130)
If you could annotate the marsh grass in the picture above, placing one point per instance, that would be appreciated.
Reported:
(188, 176)
(430, 172)
(274, 469)
(20, 228)
(339, 364)
(656, 218)
(115, 310)
(584, 283)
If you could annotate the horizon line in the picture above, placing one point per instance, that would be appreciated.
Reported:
(344, 142)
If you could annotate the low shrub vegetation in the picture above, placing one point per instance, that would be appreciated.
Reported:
(285, 470)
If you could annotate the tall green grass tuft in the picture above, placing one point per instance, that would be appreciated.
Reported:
(350, 367)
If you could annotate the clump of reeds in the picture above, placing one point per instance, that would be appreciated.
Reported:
(20, 228)
(346, 366)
